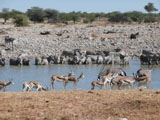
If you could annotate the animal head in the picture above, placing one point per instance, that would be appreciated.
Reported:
(71, 73)
(45, 89)
(2, 61)
(82, 75)
(11, 80)
(134, 75)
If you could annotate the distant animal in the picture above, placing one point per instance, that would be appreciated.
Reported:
(121, 81)
(2, 61)
(45, 33)
(15, 61)
(97, 83)
(25, 61)
(134, 36)
(74, 79)
(4, 84)
(118, 71)
(143, 77)
(9, 40)
(107, 80)
(27, 86)
(60, 78)
(41, 61)
(143, 72)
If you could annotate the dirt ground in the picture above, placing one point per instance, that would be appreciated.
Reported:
(80, 105)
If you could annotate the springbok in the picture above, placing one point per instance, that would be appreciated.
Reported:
(74, 80)
(60, 78)
(27, 86)
(4, 84)
(143, 72)
(106, 79)
(121, 81)
(97, 83)
(143, 77)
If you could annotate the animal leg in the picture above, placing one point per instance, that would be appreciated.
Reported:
(64, 84)
(75, 84)
(92, 87)
(52, 85)
(4, 89)
(29, 88)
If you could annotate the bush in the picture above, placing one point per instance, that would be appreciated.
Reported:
(135, 16)
(21, 20)
(150, 19)
(118, 17)
(85, 21)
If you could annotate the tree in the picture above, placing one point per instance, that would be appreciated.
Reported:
(52, 15)
(74, 16)
(5, 14)
(150, 8)
(36, 14)
(13, 13)
(21, 20)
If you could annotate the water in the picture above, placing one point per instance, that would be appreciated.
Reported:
(21, 74)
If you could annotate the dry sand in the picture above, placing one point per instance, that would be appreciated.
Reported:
(80, 105)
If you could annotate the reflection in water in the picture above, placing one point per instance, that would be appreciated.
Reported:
(43, 74)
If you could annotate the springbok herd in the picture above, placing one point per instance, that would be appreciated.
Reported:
(109, 78)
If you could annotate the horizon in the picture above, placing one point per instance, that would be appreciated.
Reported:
(80, 6)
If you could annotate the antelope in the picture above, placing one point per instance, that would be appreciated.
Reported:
(143, 77)
(143, 72)
(4, 84)
(97, 83)
(106, 79)
(123, 81)
(27, 86)
(73, 79)
(143, 80)
(60, 78)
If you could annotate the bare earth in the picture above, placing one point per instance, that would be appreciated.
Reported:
(80, 105)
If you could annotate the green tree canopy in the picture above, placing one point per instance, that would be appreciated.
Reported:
(150, 8)
(52, 15)
(5, 14)
(36, 14)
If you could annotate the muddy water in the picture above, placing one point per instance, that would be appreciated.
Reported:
(44, 73)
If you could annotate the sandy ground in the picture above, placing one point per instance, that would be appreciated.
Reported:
(80, 105)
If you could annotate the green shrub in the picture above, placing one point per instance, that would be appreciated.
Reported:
(150, 19)
(118, 17)
(85, 21)
(135, 16)
(20, 20)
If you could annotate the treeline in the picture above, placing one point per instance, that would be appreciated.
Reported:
(38, 15)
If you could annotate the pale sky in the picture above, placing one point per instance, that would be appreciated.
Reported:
(80, 5)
